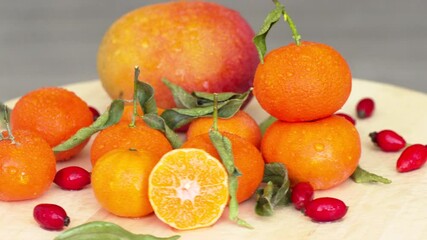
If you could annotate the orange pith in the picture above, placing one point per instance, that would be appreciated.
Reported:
(188, 189)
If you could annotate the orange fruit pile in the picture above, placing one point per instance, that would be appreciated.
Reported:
(120, 181)
(303, 86)
(198, 45)
(55, 114)
(28, 166)
(188, 188)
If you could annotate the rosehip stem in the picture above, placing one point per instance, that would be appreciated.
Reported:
(295, 35)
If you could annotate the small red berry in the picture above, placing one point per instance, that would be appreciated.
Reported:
(302, 194)
(412, 158)
(365, 108)
(72, 178)
(388, 140)
(50, 216)
(95, 113)
(348, 117)
(326, 209)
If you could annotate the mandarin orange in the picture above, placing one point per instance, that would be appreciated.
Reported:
(247, 158)
(120, 181)
(198, 45)
(55, 114)
(121, 135)
(323, 152)
(241, 124)
(188, 188)
(28, 166)
(302, 82)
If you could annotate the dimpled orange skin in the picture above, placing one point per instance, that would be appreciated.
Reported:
(198, 45)
(323, 152)
(241, 124)
(54, 113)
(28, 167)
(247, 158)
(302, 83)
(121, 135)
(120, 181)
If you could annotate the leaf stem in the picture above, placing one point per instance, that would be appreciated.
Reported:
(295, 35)
(135, 97)
(6, 123)
(215, 113)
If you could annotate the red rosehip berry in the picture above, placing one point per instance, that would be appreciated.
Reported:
(51, 216)
(388, 140)
(302, 194)
(72, 178)
(365, 108)
(326, 209)
(412, 158)
(348, 117)
(95, 113)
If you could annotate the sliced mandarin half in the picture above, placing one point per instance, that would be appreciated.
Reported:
(188, 189)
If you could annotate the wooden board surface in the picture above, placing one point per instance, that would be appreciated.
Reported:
(376, 211)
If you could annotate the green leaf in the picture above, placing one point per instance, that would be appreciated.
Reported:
(100, 230)
(108, 118)
(155, 121)
(175, 119)
(182, 98)
(263, 206)
(178, 117)
(362, 176)
(259, 40)
(276, 191)
(224, 148)
(209, 97)
(145, 96)
(266, 123)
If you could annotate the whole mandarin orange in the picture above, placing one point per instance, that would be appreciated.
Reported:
(198, 45)
(120, 181)
(324, 152)
(54, 113)
(121, 135)
(302, 82)
(28, 166)
(247, 158)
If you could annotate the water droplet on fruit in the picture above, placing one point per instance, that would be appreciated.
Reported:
(319, 147)
(10, 170)
(24, 178)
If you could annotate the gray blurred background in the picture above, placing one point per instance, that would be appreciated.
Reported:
(54, 42)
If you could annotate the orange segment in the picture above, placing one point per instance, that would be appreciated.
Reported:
(188, 189)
